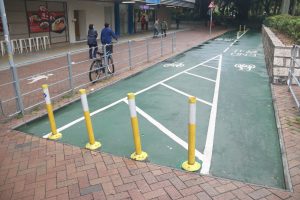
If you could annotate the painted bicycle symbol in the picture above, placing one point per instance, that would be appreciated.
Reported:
(175, 64)
(244, 67)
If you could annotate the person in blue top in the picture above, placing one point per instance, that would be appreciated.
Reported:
(106, 36)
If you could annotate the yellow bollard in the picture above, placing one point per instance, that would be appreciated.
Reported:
(191, 165)
(54, 134)
(240, 28)
(92, 145)
(138, 154)
(244, 28)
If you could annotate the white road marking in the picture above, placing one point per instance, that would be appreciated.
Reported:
(200, 77)
(226, 50)
(175, 64)
(210, 67)
(185, 94)
(245, 67)
(120, 100)
(38, 77)
(166, 131)
(212, 124)
(82, 118)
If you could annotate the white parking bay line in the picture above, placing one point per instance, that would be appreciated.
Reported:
(166, 131)
(82, 118)
(120, 100)
(212, 124)
(209, 66)
(200, 76)
(185, 94)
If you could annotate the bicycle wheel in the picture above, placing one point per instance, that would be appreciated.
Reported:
(95, 70)
(111, 66)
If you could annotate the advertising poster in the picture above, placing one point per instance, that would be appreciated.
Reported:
(45, 21)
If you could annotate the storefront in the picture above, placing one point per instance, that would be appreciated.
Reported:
(60, 20)
(144, 17)
(29, 18)
(68, 20)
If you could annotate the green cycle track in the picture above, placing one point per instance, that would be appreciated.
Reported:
(236, 132)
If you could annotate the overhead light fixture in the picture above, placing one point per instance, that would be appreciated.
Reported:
(128, 1)
(171, 6)
(151, 4)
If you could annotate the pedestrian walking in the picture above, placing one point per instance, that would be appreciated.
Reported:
(92, 41)
(164, 27)
(156, 28)
(177, 22)
(146, 21)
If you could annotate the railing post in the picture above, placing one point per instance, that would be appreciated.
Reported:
(173, 36)
(129, 53)
(292, 66)
(1, 108)
(174, 41)
(10, 58)
(71, 82)
(147, 45)
(161, 45)
(105, 59)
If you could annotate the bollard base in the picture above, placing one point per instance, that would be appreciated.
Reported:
(191, 168)
(94, 146)
(55, 136)
(143, 156)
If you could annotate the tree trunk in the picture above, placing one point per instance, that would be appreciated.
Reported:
(294, 7)
(285, 6)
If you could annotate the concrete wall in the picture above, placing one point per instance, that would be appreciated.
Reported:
(277, 57)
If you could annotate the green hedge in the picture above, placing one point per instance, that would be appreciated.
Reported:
(287, 24)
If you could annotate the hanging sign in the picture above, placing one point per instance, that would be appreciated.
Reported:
(153, 1)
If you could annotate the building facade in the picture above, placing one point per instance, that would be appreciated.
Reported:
(68, 20)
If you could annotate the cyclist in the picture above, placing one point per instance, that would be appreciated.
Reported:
(106, 36)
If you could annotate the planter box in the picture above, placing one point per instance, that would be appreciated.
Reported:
(277, 57)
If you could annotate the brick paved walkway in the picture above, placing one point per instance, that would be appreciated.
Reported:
(35, 168)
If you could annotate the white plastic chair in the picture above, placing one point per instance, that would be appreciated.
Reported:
(23, 45)
(15, 46)
(2, 46)
(46, 42)
(31, 44)
(39, 43)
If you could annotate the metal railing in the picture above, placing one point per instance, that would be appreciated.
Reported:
(67, 72)
(294, 75)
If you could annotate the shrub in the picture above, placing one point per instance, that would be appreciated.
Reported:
(287, 24)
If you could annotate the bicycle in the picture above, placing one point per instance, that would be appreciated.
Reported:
(98, 68)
